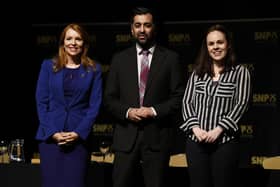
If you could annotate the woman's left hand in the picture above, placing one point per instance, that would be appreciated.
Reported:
(213, 135)
(70, 136)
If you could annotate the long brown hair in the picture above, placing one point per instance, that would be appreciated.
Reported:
(60, 60)
(203, 63)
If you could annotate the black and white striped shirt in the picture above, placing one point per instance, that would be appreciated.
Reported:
(208, 104)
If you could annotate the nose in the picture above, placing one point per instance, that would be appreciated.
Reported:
(216, 46)
(73, 42)
(142, 28)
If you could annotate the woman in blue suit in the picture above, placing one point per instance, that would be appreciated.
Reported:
(68, 98)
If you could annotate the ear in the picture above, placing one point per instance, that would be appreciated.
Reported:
(131, 30)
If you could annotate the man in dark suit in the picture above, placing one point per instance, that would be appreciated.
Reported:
(144, 109)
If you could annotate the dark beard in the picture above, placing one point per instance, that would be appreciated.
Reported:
(146, 45)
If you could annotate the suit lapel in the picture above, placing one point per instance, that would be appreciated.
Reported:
(133, 73)
(156, 64)
(58, 78)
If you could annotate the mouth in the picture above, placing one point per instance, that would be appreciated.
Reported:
(217, 53)
(73, 49)
(142, 37)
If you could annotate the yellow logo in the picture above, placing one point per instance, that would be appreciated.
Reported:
(257, 160)
(249, 66)
(246, 130)
(190, 68)
(123, 38)
(105, 68)
(179, 38)
(264, 98)
(266, 36)
(102, 129)
(46, 39)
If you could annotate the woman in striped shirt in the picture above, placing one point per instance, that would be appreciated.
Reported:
(216, 97)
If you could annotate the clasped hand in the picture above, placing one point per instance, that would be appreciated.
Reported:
(138, 114)
(207, 136)
(63, 138)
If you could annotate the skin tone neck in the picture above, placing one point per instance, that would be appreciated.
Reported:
(217, 68)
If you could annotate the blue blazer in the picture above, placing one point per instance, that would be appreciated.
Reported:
(53, 112)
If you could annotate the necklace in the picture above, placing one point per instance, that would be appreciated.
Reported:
(72, 66)
(216, 77)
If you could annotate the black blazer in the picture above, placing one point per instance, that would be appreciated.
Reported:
(164, 92)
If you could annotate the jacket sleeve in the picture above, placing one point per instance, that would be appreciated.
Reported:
(112, 91)
(42, 100)
(175, 88)
(229, 122)
(188, 112)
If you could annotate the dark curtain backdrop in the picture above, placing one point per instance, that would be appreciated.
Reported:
(257, 43)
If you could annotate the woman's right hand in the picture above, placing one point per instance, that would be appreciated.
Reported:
(59, 138)
(199, 133)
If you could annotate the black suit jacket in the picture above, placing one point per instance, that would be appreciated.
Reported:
(164, 92)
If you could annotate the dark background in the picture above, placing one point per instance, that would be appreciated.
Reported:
(168, 10)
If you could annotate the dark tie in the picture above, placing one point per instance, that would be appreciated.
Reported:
(143, 74)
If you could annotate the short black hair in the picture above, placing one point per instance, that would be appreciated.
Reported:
(141, 11)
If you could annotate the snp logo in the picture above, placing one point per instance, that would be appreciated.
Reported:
(105, 68)
(182, 38)
(246, 130)
(269, 99)
(190, 68)
(266, 36)
(46, 39)
(257, 160)
(249, 66)
(123, 38)
(102, 129)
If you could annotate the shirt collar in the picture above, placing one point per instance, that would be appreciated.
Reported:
(139, 49)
